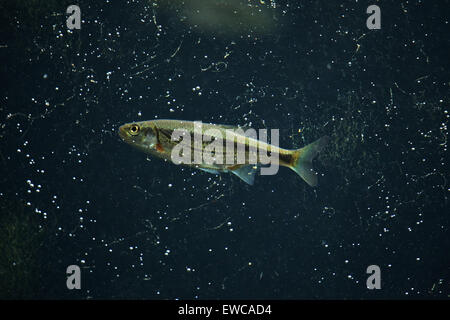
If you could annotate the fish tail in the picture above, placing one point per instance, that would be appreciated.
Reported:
(301, 160)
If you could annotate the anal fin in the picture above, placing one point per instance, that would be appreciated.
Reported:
(246, 173)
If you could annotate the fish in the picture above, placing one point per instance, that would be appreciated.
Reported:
(206, 146)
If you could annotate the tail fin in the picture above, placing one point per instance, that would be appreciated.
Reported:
(302, 160)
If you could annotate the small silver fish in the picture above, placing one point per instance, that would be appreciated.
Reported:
(159, 138)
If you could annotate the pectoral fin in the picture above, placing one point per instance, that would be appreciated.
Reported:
(209, 170)
(246, 173)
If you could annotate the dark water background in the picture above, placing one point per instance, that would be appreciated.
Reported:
(72, 193)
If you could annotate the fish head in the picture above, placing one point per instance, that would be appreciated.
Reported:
(141, 135)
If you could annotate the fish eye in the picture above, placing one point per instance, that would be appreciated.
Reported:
(134, 129)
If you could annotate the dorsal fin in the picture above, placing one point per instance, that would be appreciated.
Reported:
(233, 127)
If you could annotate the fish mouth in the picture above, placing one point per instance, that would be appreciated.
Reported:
(122, 133)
